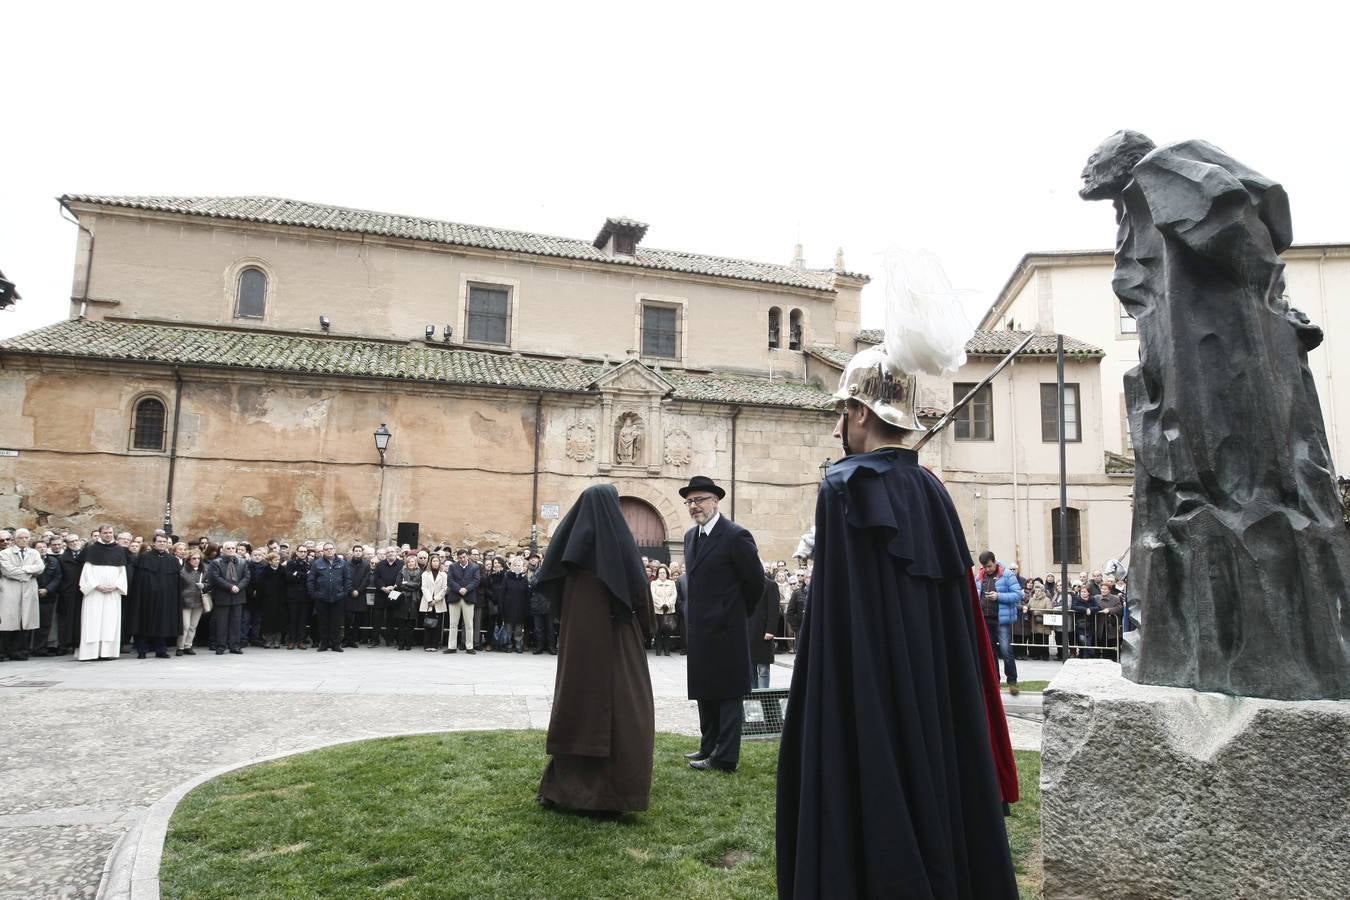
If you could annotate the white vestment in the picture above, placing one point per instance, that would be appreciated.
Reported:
(101, 617)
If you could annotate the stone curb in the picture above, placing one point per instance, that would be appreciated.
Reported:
(131, 871)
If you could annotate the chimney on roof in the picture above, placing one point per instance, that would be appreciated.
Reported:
(798, 260)
(839, 260)
(619, 236)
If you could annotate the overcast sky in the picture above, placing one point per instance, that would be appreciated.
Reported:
(732, 128)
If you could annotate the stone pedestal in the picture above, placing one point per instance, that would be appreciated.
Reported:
(1169, 792)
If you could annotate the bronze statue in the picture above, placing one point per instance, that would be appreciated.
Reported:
(1239, 555)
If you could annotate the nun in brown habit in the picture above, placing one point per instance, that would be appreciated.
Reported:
(601, 732)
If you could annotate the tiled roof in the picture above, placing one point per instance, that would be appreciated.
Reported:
(1119, 464)
(832, 355)
(1001, 342)
(276, 352)
(278, 211)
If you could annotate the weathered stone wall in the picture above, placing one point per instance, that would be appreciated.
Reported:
(265, 457)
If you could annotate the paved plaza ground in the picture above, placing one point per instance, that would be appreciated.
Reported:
(86, 748)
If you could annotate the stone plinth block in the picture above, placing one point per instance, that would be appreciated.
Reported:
(1168, 792)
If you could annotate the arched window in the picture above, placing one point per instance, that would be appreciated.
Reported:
(147, 424)
(795, 330)
(252, 301)
(775, 326)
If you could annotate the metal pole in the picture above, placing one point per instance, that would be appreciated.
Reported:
(379, 508)
(1063, 501)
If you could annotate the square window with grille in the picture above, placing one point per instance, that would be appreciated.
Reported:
(1050, 413)
(489, 314)
(976, 421)
(660, 331)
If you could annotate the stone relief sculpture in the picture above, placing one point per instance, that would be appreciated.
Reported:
(580, 442)
(679, 448)
(1239, 551)
(628, 440)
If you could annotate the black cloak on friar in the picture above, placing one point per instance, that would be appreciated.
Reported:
(889, 784)
(154, 597)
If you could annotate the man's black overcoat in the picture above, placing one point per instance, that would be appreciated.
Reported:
(726, 579)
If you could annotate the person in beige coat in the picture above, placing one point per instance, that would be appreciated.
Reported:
(20, 565)
(433, 602)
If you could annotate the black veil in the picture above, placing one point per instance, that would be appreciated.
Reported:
(593, 537)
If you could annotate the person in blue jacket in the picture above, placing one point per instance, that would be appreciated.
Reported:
(1000, 598)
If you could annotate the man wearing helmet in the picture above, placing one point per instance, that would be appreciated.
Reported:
(889, 782)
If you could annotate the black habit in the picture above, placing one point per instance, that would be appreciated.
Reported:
(70, 601)
(887, 784)
(154, 596)
(602, 729)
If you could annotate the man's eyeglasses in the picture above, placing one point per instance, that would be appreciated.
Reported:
(697, 501)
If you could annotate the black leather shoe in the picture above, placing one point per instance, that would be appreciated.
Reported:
(189, 652)
(337, 649)
(162, 655)
(705, 765)
(220, 651)
(696, 755)
(237, 652)
(140, 656)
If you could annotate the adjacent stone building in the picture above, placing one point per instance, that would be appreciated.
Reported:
(227, 362)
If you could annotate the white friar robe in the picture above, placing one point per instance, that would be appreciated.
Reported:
(101, 617)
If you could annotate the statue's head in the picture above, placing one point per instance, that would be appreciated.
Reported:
(1108, 168)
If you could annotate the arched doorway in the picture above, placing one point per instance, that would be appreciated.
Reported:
(648, 528)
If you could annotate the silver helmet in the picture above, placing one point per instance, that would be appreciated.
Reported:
(872, 380)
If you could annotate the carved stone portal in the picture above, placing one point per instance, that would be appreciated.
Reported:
(679, 448)
(580, 442)
(628, 440)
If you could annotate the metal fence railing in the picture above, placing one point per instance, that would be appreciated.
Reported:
(1093, 635)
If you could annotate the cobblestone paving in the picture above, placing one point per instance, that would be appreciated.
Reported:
(86, 748)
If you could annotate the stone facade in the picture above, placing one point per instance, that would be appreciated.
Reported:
(273, 437)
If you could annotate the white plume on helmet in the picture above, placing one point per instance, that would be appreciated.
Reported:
(926, 323)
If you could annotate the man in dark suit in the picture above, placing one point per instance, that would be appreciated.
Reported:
(725, 581)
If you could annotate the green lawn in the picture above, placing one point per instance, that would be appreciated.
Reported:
(454, 815)
(1033, 686)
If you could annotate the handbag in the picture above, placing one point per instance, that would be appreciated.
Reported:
(206, 603)
(431, 620)
(501, 635)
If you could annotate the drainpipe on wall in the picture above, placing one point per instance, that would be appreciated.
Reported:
(534, 493)
(1330, 407)
(88, 262)
(173, 448)
(735, 414)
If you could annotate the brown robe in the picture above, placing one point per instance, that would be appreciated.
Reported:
(603, 726)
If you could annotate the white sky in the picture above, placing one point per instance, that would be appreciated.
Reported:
(732, 128)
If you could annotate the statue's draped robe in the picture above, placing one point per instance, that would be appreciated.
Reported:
(1239, 552)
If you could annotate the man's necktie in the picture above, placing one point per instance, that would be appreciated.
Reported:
(698, 541)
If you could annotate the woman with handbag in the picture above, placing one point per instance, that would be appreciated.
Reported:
(492, 593)
(193, 598)
(433, 602)
(409, 590)
(663, 606)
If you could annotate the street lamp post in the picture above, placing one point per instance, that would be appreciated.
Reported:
(824, 468)
(382, 436)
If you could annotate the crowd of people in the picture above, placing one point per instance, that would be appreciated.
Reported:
(1015, 612)
(169, 597)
